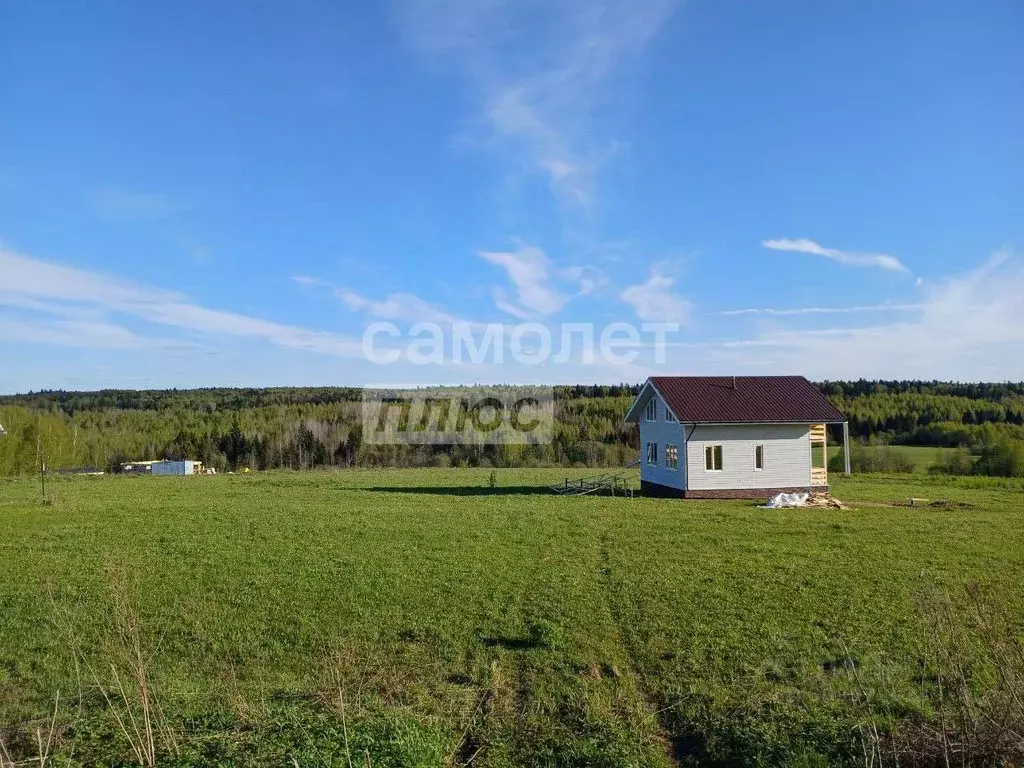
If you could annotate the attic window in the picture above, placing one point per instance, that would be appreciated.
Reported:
(669, 416)
(713, 458)
(652, 409)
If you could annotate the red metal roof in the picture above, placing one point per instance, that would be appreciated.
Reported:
(728, 399)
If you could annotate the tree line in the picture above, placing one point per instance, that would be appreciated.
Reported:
(310, 427)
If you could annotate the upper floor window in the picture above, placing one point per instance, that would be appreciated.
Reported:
(652, 409)
(713, 458)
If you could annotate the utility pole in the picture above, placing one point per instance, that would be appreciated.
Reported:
(39, 457)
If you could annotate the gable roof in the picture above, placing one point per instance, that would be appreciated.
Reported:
(741, 399)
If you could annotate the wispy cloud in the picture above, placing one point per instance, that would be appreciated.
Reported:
(969, 327)
(539, 70)
(656, 300)
(308, 280)
(70, 333)
(85, 298)
(851, 258)
(536, 280)
(823, 310)
(397, 306)
(129, 205)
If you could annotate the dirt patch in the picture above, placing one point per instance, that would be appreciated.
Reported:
(933, 504)
(946, 504)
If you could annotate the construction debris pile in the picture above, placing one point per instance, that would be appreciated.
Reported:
(790, 500)
(824, 501)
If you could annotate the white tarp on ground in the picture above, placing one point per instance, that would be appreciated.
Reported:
(782, 500)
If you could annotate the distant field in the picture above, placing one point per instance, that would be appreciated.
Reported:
(922, 456)
(422, 618)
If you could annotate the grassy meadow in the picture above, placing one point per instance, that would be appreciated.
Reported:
(425, 618)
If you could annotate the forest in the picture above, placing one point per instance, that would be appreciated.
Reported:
(307, 428)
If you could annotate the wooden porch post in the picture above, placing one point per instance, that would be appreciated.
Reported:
(846, 448)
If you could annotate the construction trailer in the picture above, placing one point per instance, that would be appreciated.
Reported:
(176, 468)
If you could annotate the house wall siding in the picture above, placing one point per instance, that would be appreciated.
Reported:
(663, 433)
(787, 456)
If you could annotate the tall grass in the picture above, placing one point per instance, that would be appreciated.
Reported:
(972, 674)
(128, 691)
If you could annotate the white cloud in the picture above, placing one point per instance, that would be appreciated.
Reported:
(86, 297)
(851, 258)
(823, 310)
(655, 301)
(529, 269)
(397, 306)
(26, 276)
(307, 280)
(509, 308)
(540, 69)
(536, 280)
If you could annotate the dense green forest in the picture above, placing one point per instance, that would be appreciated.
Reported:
(303, 428)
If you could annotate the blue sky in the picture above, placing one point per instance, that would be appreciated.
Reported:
(213, 193)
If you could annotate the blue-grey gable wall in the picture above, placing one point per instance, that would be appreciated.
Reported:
(663, 433)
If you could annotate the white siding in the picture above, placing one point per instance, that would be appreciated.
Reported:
(787, 456)
(663, 433)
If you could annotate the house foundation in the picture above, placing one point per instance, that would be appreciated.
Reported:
(656, 490)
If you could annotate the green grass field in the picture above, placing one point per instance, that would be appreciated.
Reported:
(422, 618)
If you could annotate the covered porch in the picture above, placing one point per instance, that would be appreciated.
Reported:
(819, 452)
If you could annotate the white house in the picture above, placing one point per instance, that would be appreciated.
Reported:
(733, 436)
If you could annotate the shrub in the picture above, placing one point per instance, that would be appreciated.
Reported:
(955, 462)
(873, 458)
(1002, 459)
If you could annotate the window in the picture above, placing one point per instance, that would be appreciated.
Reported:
(652, 409)
(672, 456)
(669, 416)
(758, 457)
(652, 453)
(713, 458)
